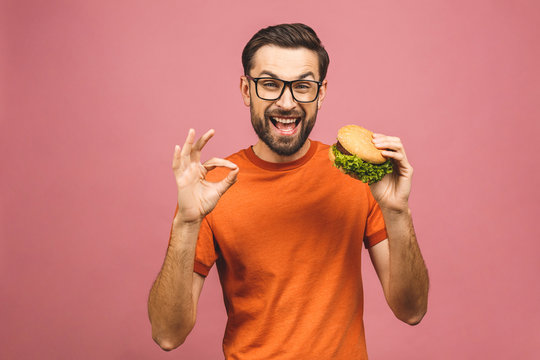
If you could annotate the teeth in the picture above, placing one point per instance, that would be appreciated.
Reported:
(284, 120)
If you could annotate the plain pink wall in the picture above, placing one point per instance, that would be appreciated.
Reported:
(95, 94)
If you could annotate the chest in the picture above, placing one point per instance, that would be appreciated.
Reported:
(273, 219)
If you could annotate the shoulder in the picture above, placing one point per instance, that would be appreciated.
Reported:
(322, 150)
(239, 156)
(321, 160)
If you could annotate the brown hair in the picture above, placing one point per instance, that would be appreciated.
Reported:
(286, 36)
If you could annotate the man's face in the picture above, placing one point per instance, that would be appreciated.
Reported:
(283, 124)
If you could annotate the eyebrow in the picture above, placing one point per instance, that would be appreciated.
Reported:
(303, 76)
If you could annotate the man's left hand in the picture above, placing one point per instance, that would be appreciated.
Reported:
(392, 192)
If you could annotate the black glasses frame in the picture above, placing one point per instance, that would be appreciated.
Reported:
(285, 84)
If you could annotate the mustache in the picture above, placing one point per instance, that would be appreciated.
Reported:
(281, 113)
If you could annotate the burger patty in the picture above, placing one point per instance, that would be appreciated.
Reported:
(342, 149)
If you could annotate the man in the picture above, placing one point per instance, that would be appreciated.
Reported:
(284, 227)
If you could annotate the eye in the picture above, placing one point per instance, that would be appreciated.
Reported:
(303, 86)
(270, 84)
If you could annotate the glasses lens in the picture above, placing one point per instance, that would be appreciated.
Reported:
(305, 91)
(269, 89)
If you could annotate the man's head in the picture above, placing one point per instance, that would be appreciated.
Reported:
(283, 113)
(289, 36)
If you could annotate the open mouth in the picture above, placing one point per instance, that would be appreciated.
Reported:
(286, 125)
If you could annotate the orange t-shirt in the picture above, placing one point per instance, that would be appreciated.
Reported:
(287, 240)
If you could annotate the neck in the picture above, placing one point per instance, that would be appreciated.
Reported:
(265, 153)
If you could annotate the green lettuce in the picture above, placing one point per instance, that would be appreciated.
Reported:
(364, 171)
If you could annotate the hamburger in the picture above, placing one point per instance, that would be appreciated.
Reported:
(356, 155)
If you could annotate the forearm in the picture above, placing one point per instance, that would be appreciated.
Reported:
(408, 280)
(170, 304)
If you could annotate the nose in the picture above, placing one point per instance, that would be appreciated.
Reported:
(286, 100)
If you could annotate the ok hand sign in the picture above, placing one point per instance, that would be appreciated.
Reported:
(196, 196)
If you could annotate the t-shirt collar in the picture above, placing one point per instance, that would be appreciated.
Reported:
(281, 166)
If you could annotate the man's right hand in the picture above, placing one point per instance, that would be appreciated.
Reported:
(196, 196)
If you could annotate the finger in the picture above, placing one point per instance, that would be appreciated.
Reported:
(199, 145)
(215, 162)
(227, 182)
(382, 138)
(398, 156)
(388, 142)
(176, 157)
(186, 149)
(400, 159)
(203, 140)
(231, 177)
(388, 145)
(377, 137)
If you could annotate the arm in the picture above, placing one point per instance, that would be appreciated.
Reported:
(172, 303)
(398, 260)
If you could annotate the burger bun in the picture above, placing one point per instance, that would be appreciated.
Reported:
(359, 141)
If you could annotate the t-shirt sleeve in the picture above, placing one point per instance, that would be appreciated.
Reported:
(375, 231)
(205, 251)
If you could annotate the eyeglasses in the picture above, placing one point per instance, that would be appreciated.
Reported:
(303, 91)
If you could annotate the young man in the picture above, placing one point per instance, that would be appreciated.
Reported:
(284, 227)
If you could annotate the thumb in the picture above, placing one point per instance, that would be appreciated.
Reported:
(228, 181)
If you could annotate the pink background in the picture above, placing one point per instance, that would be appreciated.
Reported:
(95, 94)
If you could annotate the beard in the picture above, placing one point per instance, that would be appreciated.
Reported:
(282, 145)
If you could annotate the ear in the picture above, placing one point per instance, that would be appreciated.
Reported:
(244, 90)
(322, 94)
